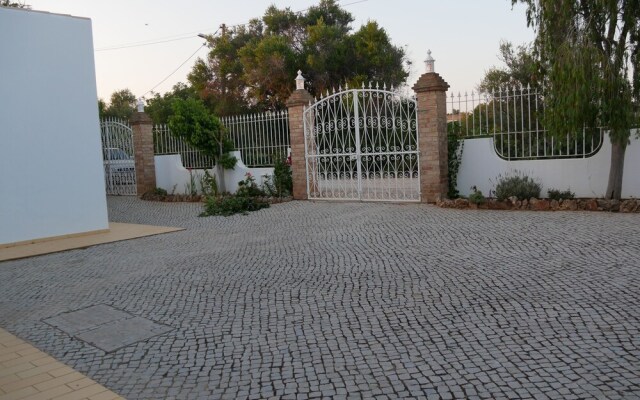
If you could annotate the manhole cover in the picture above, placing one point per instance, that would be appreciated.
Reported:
(106, 328)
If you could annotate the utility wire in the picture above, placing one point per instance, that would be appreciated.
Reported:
(175, 38)
(176, 70)
(140, 44)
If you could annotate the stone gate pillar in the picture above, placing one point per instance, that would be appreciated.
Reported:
(431, 92)
(142, 127)
(298, 99)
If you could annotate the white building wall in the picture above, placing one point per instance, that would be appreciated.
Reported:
(586, 177)
(51, 174)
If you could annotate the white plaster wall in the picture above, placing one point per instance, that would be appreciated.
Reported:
(51, 174)
(172, 176)
(586, 177)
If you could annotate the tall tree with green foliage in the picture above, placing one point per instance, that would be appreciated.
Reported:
(219, 80)
(192, 121)
(588, 50)
(159, 107)
(9, 3)
(520, 69)
(121, 105)
(253, 66)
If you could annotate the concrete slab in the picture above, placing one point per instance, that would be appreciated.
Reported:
(116, 233)
(75, 322)
(118, 334)
(105, 327)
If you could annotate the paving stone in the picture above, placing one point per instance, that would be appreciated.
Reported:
(312, 299)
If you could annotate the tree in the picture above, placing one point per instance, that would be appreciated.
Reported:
(159, 107)
(102, 108)
(122, 105)
(588, 50)
(192, 121)
(268, 67)
(219, 80)
(9, 3)
(521, 69)
(252, 67)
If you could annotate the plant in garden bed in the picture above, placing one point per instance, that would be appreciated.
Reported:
(477, 197)
(192, 121)
(455, 147)
(517, 185)
(191, 188)
(555, 194)
(249, 197)
(209, 184)
(281, 183)
(229, 205)
(159, 194)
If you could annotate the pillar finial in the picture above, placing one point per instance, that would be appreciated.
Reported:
(430, 62)
(300, 81)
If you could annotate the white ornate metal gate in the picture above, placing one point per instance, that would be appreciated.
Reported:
(362, 144)
(118, 157)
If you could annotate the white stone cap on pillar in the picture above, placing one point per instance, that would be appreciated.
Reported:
(299, 81)
(430, 62)
(140, 105)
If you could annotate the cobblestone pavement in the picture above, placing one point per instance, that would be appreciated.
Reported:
(350, 300)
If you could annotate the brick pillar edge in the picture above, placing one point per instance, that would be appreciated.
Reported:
(296, 103)
(431, 92)
(144, 153)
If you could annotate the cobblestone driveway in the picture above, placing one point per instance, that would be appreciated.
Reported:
(348, 300)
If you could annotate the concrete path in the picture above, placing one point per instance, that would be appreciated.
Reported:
(344, 300)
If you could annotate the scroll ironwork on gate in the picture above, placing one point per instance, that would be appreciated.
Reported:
(362, 144)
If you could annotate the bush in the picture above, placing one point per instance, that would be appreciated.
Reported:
(232, 205)
(518, 185)
(159, 192)
(209, 184)
(248, 197)
(560, 195)
(477, 197)
(281, 183)
(455, 147)
(248, 187)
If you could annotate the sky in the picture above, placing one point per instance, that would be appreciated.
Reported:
(463, 35)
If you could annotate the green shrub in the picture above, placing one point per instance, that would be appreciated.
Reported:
(477, 197)
(248, 187)
(248, 197)
(561, 195)
(281, 183)
(518, 185)
(282, 178)
(209, 184)
(455, 147)
(159, 192)
(232, 205)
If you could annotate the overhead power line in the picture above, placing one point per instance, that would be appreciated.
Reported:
(174, 71)
(185, 36)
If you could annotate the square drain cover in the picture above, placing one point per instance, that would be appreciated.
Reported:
(106, 328)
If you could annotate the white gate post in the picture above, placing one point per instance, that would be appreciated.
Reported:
(298, 99)
(431, 92)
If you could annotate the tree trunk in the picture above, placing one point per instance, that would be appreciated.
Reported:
(614, 188)
(222, 187)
